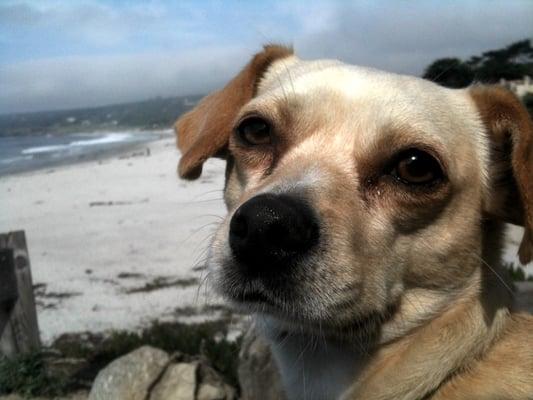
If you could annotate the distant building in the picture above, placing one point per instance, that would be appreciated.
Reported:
(189, 103)
(520, 87)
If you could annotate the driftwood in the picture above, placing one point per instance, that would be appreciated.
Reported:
(19, 330)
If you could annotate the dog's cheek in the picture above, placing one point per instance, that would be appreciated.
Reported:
(357, 268)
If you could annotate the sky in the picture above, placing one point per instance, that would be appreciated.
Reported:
(61, 54)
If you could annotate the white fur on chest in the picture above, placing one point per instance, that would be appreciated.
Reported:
(312, 368)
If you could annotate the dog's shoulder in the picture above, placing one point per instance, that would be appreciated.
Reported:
(504, 372)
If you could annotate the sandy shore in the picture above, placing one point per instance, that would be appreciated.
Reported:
(117, 243)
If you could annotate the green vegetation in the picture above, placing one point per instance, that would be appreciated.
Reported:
(512, 62)
(517, 273)
(28, 375)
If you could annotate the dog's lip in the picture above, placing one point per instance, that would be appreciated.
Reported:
(252, 300)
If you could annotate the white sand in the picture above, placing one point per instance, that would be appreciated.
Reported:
(158, 227)
(79, 250)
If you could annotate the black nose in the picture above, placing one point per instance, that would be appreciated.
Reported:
(269, 232)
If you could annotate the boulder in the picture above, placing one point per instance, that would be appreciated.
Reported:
(211, 386)
(177, 383)
(524, 296)
(258, 374)
(192, 380)
(130, 377)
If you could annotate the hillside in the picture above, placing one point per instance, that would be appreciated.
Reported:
(155, 113)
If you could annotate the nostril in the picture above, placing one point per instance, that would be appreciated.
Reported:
(271, 231)
(239, 226)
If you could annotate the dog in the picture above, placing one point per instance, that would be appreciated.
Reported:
(364, 226)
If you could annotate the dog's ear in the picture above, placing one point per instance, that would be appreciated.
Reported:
(510, 130)
(204, 131)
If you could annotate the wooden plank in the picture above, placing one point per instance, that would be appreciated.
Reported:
(8, 286)
(21, 333)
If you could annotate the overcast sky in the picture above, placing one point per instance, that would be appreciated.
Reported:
(68, 53)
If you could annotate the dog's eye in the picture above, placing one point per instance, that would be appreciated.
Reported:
(416, 167)
(254, 131)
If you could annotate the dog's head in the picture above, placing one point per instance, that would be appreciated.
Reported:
(348, 186)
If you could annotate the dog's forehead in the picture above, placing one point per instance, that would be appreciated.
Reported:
(368, 96)
(292, 76)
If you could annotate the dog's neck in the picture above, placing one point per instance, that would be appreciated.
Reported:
(430, 338)
(311, 367)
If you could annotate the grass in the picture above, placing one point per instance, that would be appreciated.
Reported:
(517, 273)
(28, 376)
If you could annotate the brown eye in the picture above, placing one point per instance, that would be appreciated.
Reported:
(254, 131)
(416, 167)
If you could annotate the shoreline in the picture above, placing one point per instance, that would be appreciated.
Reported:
(101, 154)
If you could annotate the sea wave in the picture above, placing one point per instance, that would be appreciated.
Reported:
(10, 160)
(109, 138)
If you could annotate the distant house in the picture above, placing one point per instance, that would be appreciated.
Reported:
(189, 103)
(520, 87)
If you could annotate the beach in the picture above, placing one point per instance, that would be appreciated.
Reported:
(118, 242)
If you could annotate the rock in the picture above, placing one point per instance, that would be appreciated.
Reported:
(130, 377)
(258, 374)
(210, 392)
(177, 383)
(149, 373)
(191, 379)
(524, 296)
(211, 386)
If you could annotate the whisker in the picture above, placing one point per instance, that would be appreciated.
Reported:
(496, 274)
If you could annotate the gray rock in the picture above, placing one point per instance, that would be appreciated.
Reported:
(130, 377)
(207, 391)
(177, 383)
(211, 386)
(258, 374)
(524, 296)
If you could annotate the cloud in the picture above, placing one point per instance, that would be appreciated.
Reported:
(407, 36)
(59, 54)
(93, 23)
(70, 82)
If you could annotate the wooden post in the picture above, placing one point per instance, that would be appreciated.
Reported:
(19, 331)
(8, 286)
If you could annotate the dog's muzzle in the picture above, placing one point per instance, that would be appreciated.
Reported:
(271, 233)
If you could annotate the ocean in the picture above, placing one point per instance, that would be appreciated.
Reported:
(25, 153)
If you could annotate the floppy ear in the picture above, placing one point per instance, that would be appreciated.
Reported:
(204, 131)
(510, 129)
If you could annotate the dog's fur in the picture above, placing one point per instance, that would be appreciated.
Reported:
(403, 297)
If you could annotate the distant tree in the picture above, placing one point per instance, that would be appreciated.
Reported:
(511, 62)
(450, 72)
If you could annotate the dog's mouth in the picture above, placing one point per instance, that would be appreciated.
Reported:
(293, 315)
(291, 300)
(253, 291)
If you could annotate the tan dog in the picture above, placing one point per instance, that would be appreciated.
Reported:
(365, 224)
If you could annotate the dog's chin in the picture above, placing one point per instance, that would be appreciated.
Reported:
(250, 296)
